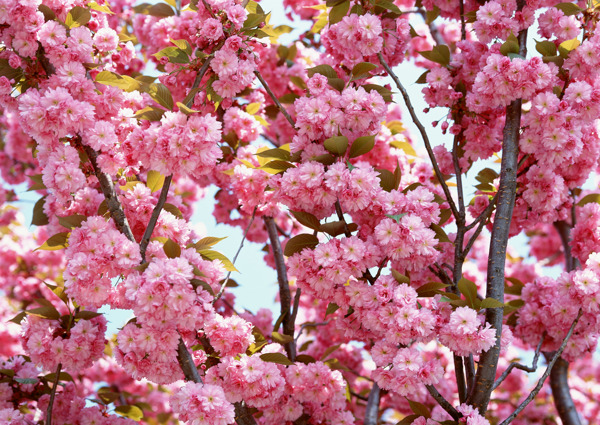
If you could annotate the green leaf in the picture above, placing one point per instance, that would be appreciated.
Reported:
(469, 290)
(331, 308)
(280, 338)
(100, 8)
(72, 221)
(337, 145)
(26, 380)
(546, 48)
(276, 358)
(338, 12)
(511, 45)
(183, 45)
(277, 153)
(253, 20)
(399, 277)
(215, 255)
(325, 70)
(160, 10)
(337, 83)
(38, 184)
(566, 46)
(329, 351)
(439, 233)
(44, 312)
(56, 242)
(131, 412)
(305, 358)
(423, 78)
(389, 6)
(491, 303)
(307, 219)
(161, 94)
(336, 228)
(174, 54)
(408, 420)
(207, 242)
(383, 91)
(299, 242)
(361, 70)
(150, 113)
(124, 82)
(201, 283)
(154, 180)
(587, 199)
(18, 318)
(39, 217)
(87, 315)
(387, 180)
(183, 108)
(445, 214)
(569, 8)
(361, 146)
(439, 54)
(173, 210)
(396, 217)
(411, 187)
(419, 408)
(172, 249)
(77, 17)
(516, 288)
(430, 289)
(431, 15)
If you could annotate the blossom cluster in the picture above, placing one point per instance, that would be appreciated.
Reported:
(97, 252)
(177, 142)
(551, 306)
(77, 348)
(465, 332)
(202, 404)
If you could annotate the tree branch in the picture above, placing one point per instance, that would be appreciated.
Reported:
(275, 100)
(372, 411)
(52, 395)
(541, 381)
(424, 136)
(154, 217)
(445, 404)
(190, 371)
(110, 194)
(488, 362)
(285, 297)
(520, 366)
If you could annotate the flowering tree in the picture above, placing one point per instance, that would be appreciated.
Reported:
(401, 300)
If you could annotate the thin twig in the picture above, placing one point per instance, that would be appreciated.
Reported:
(516, 365)
(484, 214)
(52, 395)
(372, 410)
(445, 404)
(463, 25)
(541, 381)
(309, 325)
(275, 100)
(423, 132)
(296, 305)
(224, 284)
(285, 297)
(154, 217)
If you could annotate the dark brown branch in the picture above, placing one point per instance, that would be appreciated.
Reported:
(541, 381)
(520, 366)
(285, 297)
(154, 217)
(274, 99)
(110, 194)
(424, 136)
(559, 377)
(461, 382)
(53, 395)
(187, 363)
(372, 410)
(488, 362)
(559, 383)
(201, 73)
(463, 25)
(445, 404)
